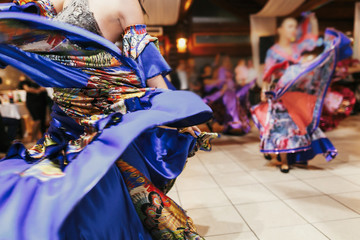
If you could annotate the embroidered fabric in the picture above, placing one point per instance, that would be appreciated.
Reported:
(77, 13)
(46, 8)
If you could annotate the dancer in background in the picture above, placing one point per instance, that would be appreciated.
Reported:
(241, 72)
(4, 138)
(205, 77)
(228, 102)
(292, 42)
(340, 99)
(36, 103)
(118, 137)
(293, 94)
(179, 77)
(194, 84)
(252, 73)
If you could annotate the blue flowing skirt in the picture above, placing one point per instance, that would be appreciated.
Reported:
(88, 198)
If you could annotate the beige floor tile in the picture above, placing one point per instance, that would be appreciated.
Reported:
(249, 194)
(275, 205)
(341, 230)
(235, 236)
(354, 157)
(320, 208)
(312, 172)
(334, 184)
(272, 175)
(344, 169)
(243, 154)
(353, 178)
(233, 147)
(222, 164)
(218, 221)
(346, 155)
(194, 168)
(254, 164)
(174, 196)
(292, 189)
(213, 156)
(351, 200)
(195, 183)
(205, 198)
(301, 232)
(266, 215)
(233, 179)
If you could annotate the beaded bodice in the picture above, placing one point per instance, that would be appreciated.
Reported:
(78, 13)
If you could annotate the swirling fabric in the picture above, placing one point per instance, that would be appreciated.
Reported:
(104, 166)
(289, 121)
(229, 102)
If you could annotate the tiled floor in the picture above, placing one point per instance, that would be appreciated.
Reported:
(232, 194)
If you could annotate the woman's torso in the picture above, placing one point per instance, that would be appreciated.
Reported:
(112, 17)
(105, 92)
(277, 55)
(77, 13)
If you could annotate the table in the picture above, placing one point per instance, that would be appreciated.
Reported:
(13, 110)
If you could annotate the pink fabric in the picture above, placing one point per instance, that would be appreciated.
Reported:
(300, 106)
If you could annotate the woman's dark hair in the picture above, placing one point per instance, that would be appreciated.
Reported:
(281, 20)
(142, 6)
(205, 66)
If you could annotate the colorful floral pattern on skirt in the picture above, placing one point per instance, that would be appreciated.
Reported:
(164, 219)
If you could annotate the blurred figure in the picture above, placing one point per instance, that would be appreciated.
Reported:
(255, 91)
(8, 128)
(241, 73)
(217, 61)
(194, 84)
(340, 100)
(179, 77)
(291, 106)
(4, 138)
(205, 77)
(252, 74)
(226, 99)
(36, 103)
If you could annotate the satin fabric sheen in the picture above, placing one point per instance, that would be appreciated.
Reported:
(90, 200)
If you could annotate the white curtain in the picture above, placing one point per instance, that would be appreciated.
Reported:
(277, 8)
(260, 27)
(357, 31)
(162, 12)
(264, 24)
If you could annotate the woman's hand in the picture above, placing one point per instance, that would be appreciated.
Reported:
(264, 89)
(191, 130)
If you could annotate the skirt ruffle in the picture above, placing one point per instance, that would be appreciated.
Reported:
(41, 201)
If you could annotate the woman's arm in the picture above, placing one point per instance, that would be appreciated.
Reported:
(58, 4)
(130, 13)
(157, 82)
(314, 24)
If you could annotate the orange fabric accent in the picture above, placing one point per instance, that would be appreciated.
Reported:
(276, 69)
(300, 107)
(260, 112)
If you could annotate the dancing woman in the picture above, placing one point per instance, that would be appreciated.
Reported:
(113, 149)
(340, 100)
(228, 101)
(293, 94)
